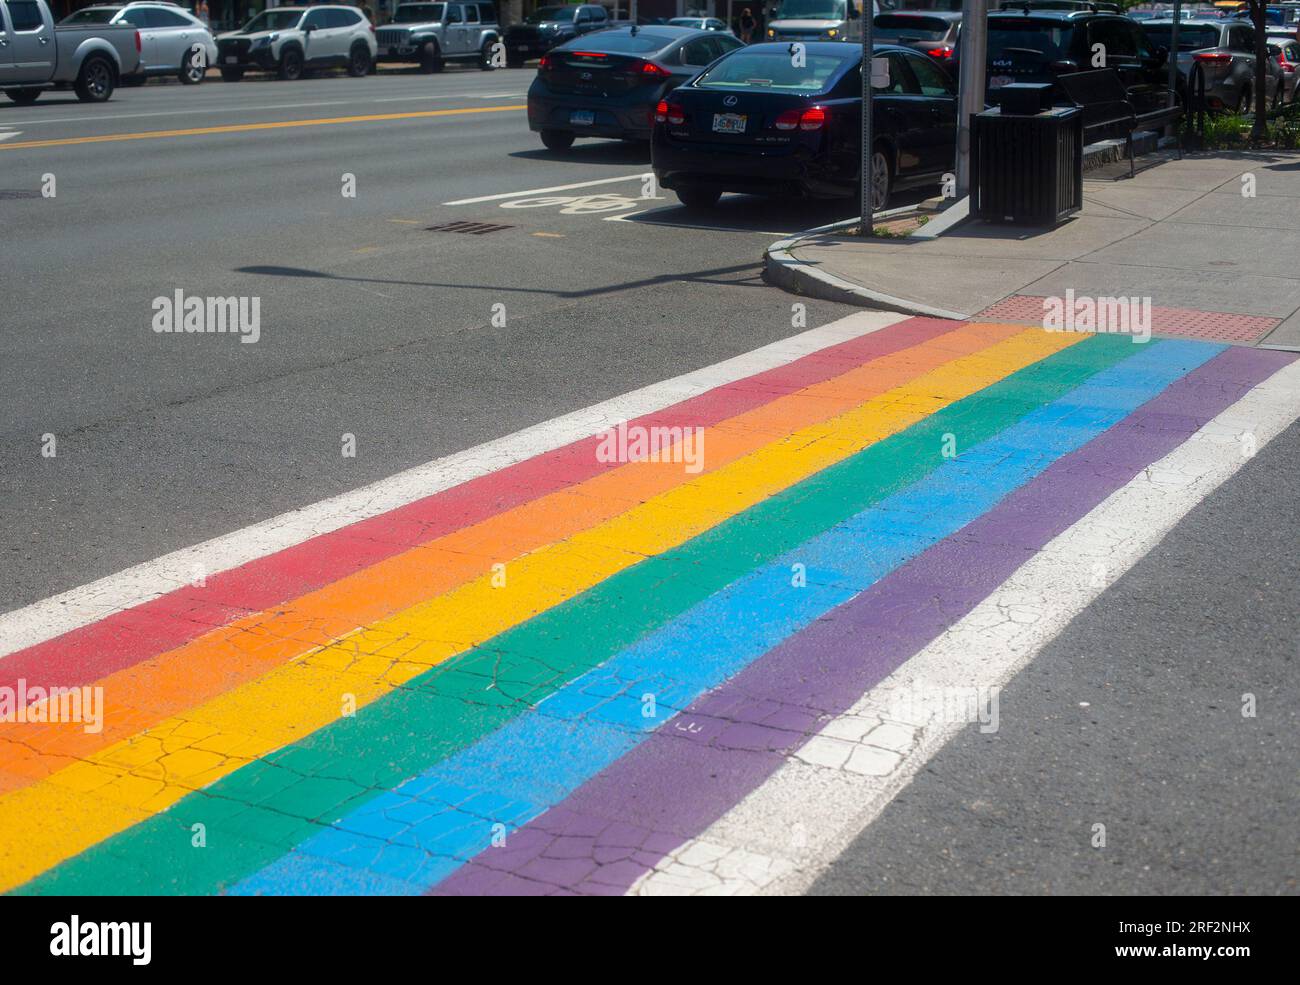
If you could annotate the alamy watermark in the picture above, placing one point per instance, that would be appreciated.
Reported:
(54, 705)
(1081, 313)
(925, 704)
(194, 314)
(634, 443)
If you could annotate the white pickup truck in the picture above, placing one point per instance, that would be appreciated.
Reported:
(34, 54)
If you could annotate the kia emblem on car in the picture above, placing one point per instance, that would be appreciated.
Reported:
(729, 101)
(586, 75)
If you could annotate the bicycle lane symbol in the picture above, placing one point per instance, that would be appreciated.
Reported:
(581, 204)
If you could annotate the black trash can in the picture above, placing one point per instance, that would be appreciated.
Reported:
(1027, 159)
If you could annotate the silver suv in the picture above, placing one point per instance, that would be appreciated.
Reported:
(1225, 51)
(172, 40)
(436, 33)
(291, 40)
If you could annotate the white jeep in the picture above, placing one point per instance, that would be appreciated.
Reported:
(291, 40)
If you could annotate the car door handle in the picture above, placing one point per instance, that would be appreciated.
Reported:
(43, 39)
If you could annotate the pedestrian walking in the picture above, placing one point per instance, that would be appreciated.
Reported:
(201, 12)
(747, 25)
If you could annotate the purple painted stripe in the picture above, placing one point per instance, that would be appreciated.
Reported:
(622, 822)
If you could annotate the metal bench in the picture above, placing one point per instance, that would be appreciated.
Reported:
(1107, 109)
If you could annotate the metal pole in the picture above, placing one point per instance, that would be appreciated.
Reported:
(867, 225)
(972, 51)
(1173, 53)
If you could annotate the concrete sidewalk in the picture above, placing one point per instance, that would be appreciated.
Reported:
(1181, 233)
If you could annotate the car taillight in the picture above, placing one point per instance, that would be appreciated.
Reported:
(1217, 57)
(649, 70)
(138, 47)
(667, 112)
(544, 64)
(942, 52)
(813, 118)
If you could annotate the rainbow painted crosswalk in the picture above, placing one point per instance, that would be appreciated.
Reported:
(542, 668)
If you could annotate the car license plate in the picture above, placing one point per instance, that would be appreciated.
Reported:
(582, 117)
(232, 59)
(998, 81)
(729, 123)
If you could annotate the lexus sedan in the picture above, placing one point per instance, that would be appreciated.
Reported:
(608, 84)
(763, 121)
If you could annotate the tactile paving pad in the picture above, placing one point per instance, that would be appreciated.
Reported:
(1215, 326)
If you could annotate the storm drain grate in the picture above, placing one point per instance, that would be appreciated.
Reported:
(9, 193)
(463, 226)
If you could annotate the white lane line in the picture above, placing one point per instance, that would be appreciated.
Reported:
(9, 133)
(51, 617)
(250, 109)
(781, 837)
(542, 191)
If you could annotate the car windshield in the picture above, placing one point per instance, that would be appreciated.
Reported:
(272, 20)
(550, 14)
(811, 10)
(619, 41)
(1190, 36)
(1049, 39)
(90, 16)
(748, 69)
(418, 13)
(900, 27)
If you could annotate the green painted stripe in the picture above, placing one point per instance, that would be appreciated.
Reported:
(262, 810)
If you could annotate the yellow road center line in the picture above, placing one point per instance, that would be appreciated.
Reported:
(243, 127)
(133, 779)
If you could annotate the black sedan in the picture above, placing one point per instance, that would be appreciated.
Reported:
(771, 119)
(607, 84)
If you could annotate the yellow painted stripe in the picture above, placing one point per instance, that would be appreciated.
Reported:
(129, 781)
(243, 127)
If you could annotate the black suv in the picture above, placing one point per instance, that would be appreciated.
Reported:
(546, 27)
(1036, 45)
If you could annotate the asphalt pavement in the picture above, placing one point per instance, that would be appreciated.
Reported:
(371, 324)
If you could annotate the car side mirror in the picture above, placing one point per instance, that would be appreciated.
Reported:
(308, 28)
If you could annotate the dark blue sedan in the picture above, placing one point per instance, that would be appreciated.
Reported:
(784, 119)
(607, 84)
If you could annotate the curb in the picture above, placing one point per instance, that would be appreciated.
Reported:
(783, 269)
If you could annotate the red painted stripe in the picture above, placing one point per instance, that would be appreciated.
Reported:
(124, 638)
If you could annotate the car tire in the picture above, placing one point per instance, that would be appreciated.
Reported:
(882, 178)
(192, 70)
(96, 80)
(485, 57)
(23, 97)
(291, 66)
(431, 58)
(698, 197)
(231, 74)
(358, 61)
(557, 140)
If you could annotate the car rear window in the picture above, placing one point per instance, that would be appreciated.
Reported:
(614, 42)
(1050, 39)
(901, 27)
(773, 70)
(1190, 36)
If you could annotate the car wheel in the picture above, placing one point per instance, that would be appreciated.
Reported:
(698, 196)
(232, 74)
(882, 179)
(193, 68)
(485, 57)
(431, 58)
(358, 61)
(23, 97)
(290, 65)
(557, 139)
(95, 81)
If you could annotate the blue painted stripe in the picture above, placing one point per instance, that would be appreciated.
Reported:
(412, 837)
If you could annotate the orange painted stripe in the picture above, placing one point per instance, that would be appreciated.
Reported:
(149, 692)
